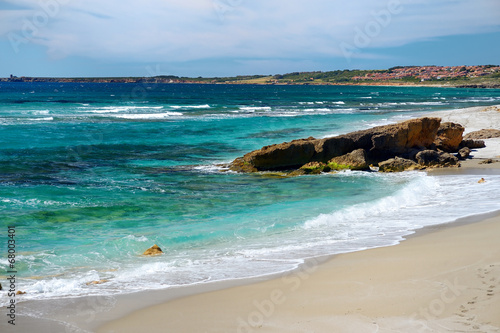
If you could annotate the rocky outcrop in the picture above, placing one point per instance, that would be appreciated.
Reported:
(398, 164)
(379, 143)
(433, 158)
(153, 251)
(356, 160)
(449, 137)
(288, 155)
(483, 134)
(410, 145)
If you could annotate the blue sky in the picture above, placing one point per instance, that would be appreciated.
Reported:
(230, 37)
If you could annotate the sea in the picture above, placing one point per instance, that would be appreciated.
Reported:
(92, 175)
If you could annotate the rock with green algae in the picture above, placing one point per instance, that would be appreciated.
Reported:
(356, 160)
(314, 168)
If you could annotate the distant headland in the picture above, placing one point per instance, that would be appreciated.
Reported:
(483, 76)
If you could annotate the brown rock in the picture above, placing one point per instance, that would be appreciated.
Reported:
(432, 158)
(464, 153)
(401, 137)
(449, 137)
(19, 292)
(314, 168)
(287, 155)
(483, 134)
(0, 286)
(472, 144)
(153, 251)
(356, 160)
(488, 161)
(398, 164)
(380, 143)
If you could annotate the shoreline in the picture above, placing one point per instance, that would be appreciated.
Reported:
(238, 307)
(106, 311)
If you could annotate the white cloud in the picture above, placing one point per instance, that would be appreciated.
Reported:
(180, 30)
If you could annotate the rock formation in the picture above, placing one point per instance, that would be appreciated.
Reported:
(483, 134)
(398, 164)
(153, 251)
(473, 144)
(355, 160)
(413, 144)
(449, 137)
(380, 143)
(432, 158)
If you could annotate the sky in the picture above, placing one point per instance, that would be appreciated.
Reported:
(96, 38)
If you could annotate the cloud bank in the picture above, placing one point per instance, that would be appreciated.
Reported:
(173, 31)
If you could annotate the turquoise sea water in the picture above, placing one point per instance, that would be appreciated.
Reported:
(91, 175)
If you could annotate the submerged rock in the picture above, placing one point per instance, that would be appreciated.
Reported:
(96, 282)
(153, 251)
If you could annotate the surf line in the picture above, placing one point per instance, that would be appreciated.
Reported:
(11, 273)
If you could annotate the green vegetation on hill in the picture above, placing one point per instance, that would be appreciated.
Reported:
(470, 76)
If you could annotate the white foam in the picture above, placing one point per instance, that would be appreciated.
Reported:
(255, 108)
(116, 109)
(148, 115)
(204, 106)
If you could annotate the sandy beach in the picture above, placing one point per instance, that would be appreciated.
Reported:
(441, 279)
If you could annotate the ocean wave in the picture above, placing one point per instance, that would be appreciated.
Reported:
(255, 108)
(116, 109)
(433, 199)
(203, 106)
(147, 116)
